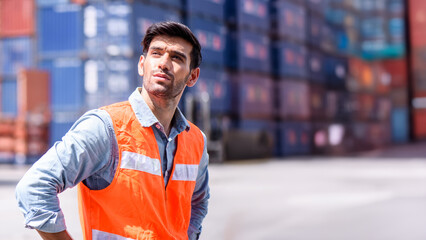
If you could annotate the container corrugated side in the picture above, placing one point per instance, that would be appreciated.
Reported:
(212, 37)
(9, 99)
(108, 29)
(16, 53)
(253, 14)
(252, 96)
(294, 138)
(109, 81)
(215, 82)
(214, 9)
(248, 51)
(145, 15)
(289, 59)
(293, 99)
(400, 125)
(60, 31)
(289, 20)
(67, 83)
(17, 18)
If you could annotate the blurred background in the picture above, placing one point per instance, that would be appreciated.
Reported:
(304, 81)
(279, 77)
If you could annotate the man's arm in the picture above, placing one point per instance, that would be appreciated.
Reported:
(200, 197)
(83, 151)
(55, 236)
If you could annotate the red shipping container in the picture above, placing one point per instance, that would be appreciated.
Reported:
(417, 21)
(397, 68)
(419, 118)
(34, 96)
(399, 97)
(17, 18)
(383, 78)
(7, 127)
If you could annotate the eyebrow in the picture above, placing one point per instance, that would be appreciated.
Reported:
(182, 55)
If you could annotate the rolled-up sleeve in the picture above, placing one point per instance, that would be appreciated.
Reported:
(200, 196)
(84, 150)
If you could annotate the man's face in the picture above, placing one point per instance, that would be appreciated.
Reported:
(166, 67)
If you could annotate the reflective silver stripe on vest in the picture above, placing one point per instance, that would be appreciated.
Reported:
(99, 235)
(185, 172)
(135, 161)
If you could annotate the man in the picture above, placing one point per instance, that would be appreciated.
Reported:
(140, 166)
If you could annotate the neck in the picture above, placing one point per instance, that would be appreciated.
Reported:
(163, 109)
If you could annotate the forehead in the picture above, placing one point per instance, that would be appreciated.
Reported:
(171, 43)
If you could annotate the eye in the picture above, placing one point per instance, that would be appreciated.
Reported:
(178, 58)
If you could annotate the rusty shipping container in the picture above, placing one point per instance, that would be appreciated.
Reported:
(17, 18)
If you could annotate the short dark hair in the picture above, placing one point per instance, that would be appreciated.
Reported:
(174, 29)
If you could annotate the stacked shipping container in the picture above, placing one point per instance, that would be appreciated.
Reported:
(283, 77)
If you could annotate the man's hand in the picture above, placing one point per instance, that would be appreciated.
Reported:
(55, 236)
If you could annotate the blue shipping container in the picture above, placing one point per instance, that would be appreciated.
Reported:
(108, 29)
(290, 20)
(109, 81)
(167, 4)
(290, 59)
(400, 125)
(336, 69)
(248, 51)
(60, 29)
(294, 138)
(9, 99)
(248, 13)
(145, 16)
(67, 83)
(209, 8)
(252, 96)
(46, 3)
(373, 27)
(211, 36)
(318, 6)
(293, 100)
(215, 82)
(16, 53)
(314, 28)
(61, 123)
(316, 66)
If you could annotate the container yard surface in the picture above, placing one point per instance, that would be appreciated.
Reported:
(377, 195)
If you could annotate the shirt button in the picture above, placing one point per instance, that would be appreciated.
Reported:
(157, 126)
(170, 139)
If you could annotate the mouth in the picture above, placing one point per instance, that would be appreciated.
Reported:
(163, 76)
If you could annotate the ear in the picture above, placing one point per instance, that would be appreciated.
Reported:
(195, 73)
(140, 65)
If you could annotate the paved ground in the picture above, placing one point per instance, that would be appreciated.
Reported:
(379, 195)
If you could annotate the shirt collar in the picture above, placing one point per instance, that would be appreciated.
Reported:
(147, 118)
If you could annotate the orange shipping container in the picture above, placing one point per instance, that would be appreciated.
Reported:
(33, 96)
(7, 144)
(17, 18)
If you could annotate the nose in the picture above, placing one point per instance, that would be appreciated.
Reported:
(164, 62)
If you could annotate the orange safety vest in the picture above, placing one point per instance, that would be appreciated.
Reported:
(137, 205)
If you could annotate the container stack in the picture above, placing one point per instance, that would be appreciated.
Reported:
(278, 77)
(332, 39)
(417, 24)
(289, 58)
(24, 116)
(248, 63)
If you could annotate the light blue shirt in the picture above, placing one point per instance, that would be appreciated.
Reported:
(89, 153)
